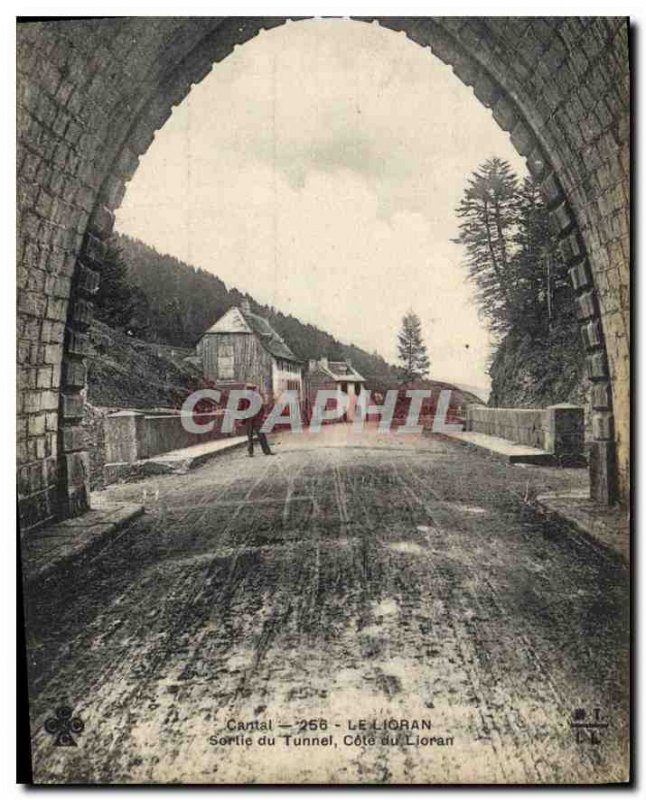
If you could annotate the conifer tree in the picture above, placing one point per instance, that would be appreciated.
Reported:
(489, 214)
(412, 353)
(117, 302)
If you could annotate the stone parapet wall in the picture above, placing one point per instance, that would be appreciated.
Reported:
(557, 429)
(131, 436)
(160, 434)
(521, 425)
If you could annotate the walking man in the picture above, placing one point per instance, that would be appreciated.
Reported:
(254, 424)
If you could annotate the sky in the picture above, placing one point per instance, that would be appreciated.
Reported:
(318, 168)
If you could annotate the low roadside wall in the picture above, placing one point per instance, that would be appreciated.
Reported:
(131, 435)
(557, 429)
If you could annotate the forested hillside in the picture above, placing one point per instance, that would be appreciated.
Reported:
(158, 298)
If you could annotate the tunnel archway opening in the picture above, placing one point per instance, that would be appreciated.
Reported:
(531, 106)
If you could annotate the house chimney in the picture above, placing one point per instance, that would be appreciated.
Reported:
(324, 362)
(245, 307)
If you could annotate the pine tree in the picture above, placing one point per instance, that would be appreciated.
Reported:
(540, 279)
(489, 214)
(411, 349)
(116, 302)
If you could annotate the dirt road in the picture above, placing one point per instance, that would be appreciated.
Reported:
(342, 580)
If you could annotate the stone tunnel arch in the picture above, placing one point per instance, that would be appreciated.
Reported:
(92, 93)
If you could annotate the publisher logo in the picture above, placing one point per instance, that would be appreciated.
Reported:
(589, 727)
(62, 725)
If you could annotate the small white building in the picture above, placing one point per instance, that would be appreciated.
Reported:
(335, 375)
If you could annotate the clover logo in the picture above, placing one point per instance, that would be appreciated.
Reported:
(63, 725)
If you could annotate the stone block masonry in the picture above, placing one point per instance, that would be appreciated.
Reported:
(558, 429)
(132, 436)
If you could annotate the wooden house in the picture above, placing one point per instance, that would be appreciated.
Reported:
(242, 347)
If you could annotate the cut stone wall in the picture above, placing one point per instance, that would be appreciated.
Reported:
(92, 93)
(520, 425)
(557, 429)
(130, 436)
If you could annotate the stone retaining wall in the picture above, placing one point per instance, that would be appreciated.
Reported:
(558, 429)
(131, 435)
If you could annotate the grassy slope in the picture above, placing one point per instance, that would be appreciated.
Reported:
(126, 372)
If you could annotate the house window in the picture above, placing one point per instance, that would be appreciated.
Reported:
(225, 360)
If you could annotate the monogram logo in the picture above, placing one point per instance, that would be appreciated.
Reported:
(588, 727)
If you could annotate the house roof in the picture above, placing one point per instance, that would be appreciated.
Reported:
(232, 321)
(270, 339)
(235, 320)
(341, 371)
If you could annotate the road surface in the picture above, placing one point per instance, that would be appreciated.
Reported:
(344, 581)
